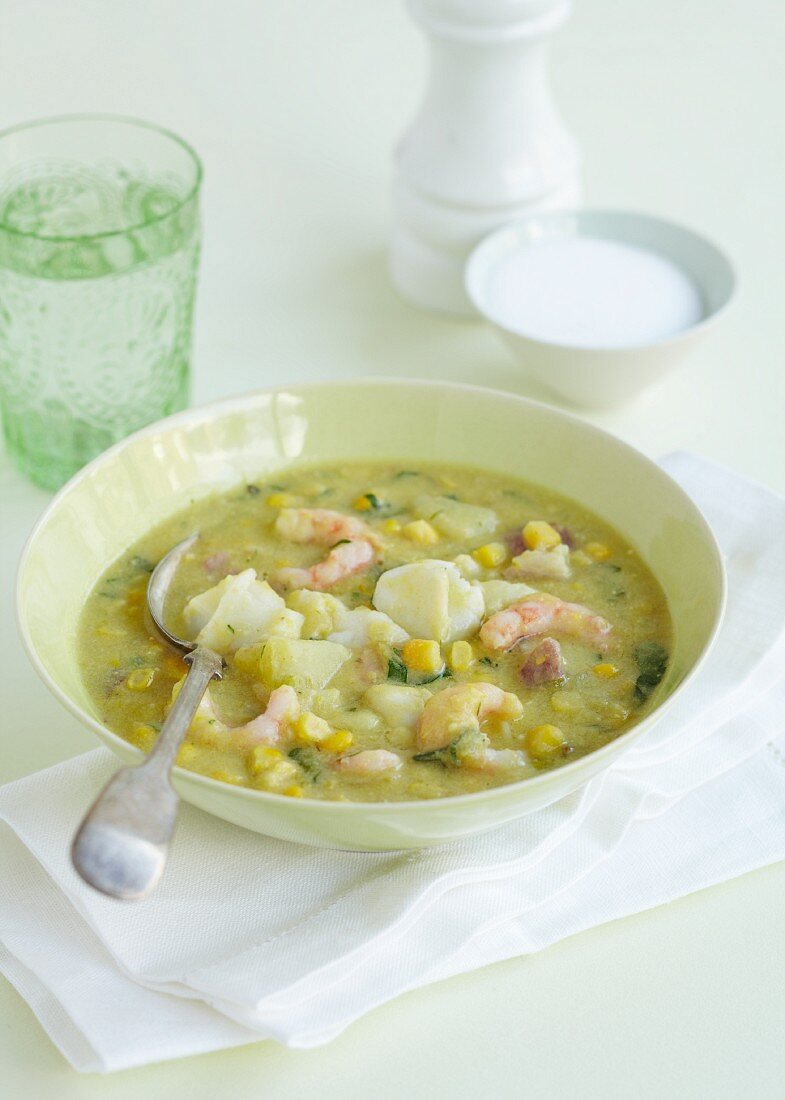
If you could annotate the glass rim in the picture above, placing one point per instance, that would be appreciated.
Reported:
(123, 120)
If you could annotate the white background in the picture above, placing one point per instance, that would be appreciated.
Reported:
(294, 106)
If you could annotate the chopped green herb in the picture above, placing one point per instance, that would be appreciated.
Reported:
(446, 756)
(308, 761)
(609, 565)
(141, 565)
(445, 674)
(396, 669)
(373, 500)
(488, 661)
(230, 628)
(253, 490)
(406, 473)
(109, 595)
(341, 542)
(652, 660)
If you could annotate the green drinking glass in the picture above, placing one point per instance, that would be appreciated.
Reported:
(99, 247)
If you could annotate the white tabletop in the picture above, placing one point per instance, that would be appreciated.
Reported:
(294, 108)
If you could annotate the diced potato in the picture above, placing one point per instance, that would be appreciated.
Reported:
(500, 594)
(305, 665)
(430, 599)
(456, 520)
(248, 658)
(461, 656)
(397, 704)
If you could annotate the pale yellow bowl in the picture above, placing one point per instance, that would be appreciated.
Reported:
(124, 492)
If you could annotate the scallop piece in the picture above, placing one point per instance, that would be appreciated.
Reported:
(430, 599)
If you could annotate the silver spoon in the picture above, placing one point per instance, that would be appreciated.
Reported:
(120, 847)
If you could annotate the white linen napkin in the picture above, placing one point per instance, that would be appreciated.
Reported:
(248, 937)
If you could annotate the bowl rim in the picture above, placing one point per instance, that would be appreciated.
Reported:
(212, 410)
(481, 258)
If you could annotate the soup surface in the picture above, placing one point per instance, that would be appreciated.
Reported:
(389, 633)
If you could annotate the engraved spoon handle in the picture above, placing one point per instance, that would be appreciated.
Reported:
(120, 847)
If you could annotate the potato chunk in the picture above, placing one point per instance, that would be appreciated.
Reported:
(456, 520)
(304, 665)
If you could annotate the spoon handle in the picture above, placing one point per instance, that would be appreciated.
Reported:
(120, 847)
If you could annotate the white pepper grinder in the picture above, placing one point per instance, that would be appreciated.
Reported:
(486, 146)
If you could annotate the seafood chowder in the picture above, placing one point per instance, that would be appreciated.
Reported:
(389, 633)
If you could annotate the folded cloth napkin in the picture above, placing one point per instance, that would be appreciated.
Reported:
(248, 937)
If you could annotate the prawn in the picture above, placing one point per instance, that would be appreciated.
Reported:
(322, 526)
(368, 762)
(543, 613)
(268, 728)
(344, 560)
(461, 709)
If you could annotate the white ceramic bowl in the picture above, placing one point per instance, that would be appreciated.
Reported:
(151, 475)
(596, 377)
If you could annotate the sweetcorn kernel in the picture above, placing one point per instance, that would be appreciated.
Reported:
(544, 742)
(295, 791)
(282, 500)
(566, 702)
(421, 532)
(422, 655)
(186, 754)
(262, 757)
(140, 679)
(491, 555)
(227, 777)
(310, 729)
(143, 736)
(598, 550)
(366, 503)
(391, 527)
(461, 656)
(539, 535)
(605, 670)
(337, 741)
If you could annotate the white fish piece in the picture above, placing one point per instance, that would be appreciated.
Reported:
(397, 705)
(325, 616)
(500, 594)
(320, 611)
(362, 626)
(430, 599)
(454, 519)
(238, 611)
(468, 567)
(553, 564)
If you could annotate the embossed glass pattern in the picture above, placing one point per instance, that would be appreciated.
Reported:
(99, 246)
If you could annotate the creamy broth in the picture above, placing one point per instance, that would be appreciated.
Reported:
(466, 630)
